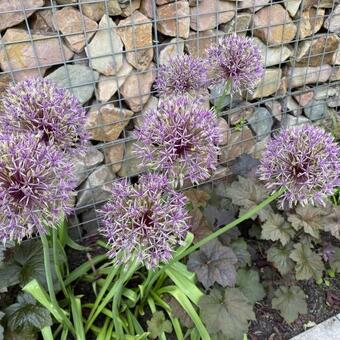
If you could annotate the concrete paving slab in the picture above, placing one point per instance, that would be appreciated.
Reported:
(327, 330)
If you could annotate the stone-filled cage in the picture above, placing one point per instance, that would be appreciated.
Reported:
(107, 53)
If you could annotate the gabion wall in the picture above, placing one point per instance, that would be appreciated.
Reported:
(107, 53)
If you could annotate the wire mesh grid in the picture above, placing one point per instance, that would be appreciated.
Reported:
(107, 53)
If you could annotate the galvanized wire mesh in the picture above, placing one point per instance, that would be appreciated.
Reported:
(38, 37)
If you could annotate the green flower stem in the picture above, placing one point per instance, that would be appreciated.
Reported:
(219, 100)
(231, 225)
(214, 235)
(125, 275)
(48, 273)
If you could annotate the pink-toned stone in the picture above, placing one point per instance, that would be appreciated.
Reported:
(273, 25)
(239, 142)
(304, 98)
(70, 21)
(137, 87)
(136, 34)
(20, 53)
(163, 2)
(106, 123)
(12, 12)
(42, 21)
(130, 7)
(224, 131)
(169, 25)
(210, 13)
(148, 8)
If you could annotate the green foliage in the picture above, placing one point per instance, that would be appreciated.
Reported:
(308, 263)
(279, 256)
(25, 264)
(248, 281)
(1, 327)
(332, 222)
(290, 301)
(309, 218)
(240, 249)
(227, 311)
(158, 325)
(247, 194)
(277, 229)
(214, 263)
(335, 260)
(25, 316)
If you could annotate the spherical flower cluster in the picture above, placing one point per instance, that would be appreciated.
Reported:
(305, 161)
(146, 220)
(39, 106)
(35, 186)
(179, 138)
(183, 75)
(235, 59)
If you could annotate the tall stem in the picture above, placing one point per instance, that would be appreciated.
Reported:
(50, 285)
(214, 235)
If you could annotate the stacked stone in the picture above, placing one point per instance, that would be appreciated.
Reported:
(107, 52)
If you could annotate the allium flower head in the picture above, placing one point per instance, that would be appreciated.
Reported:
(146, 220)
(236, 59)
(39, 106)
(179, 138)
(305, 161)
(35, 186)
(183, 75)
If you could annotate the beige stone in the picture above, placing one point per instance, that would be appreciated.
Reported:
(114, 155)
(36, 57)
(335, 74)
(105, 49)
(12, 12)
(211, 13)
(175, 47)
(311, 21)
(252, 5)
(136, 34)
(163, 2)
(273, 25)
(96, 10)
(137, 87)
(332, 23)
(239, 142)
(130, 7)
(292, 6)
(336, 57)
(69, 21)
(239, 24)
(269, 83)
(167, 22)
(275, 108)
(242, 112)
(108, 85)
(317, 51)
(107, 122)
(198, 42)
(132, 165)
(151, 104)
(300, 76)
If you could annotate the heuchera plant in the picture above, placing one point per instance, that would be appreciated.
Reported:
(146, 225)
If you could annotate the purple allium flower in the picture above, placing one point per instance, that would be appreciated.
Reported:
(305, 161)
(36, 185)
(39, 106)
(183, 75)
(146, 220)
(236, 59)
(179, 138)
